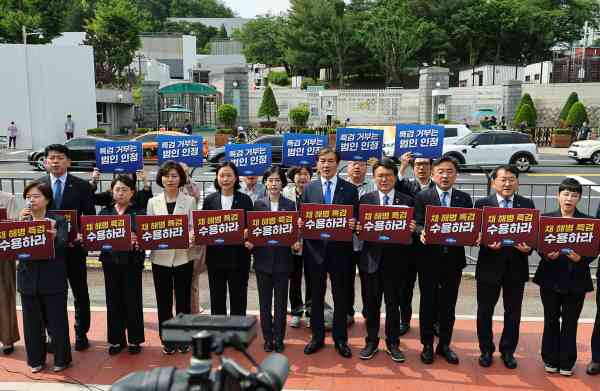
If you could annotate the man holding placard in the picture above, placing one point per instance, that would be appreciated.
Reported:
(502, 265)
(441, 265)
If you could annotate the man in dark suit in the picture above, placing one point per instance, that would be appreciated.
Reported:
(505, 268)
(329, 257)
(439, 265)
(72, 193)
(382, 269)
(593, 367)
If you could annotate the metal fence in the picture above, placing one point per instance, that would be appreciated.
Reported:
(543, 136)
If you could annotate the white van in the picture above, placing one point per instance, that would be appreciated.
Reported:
(452, 133)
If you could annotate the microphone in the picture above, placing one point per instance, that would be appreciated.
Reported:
(28, 206)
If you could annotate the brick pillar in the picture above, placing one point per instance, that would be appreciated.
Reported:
(150, 105)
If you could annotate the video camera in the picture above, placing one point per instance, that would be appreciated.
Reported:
(209, 334)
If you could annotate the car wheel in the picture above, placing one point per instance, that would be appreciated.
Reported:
(522, 163)
(39, 163)
(581, 161)
(596, 158)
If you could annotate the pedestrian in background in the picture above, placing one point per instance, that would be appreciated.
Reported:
(69, 127)
(12, 135)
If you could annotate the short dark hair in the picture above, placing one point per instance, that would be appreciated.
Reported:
(570, 184)
(386, 163)
(275, 170)
(292, 171)
(326, 150)
(231, 165)
(41, 186)
(507, 168)
(445, 159)
(413, 160)
(168, 166)
(60, 148)
(124, 179)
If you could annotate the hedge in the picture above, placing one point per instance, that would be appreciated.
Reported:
(577, 115)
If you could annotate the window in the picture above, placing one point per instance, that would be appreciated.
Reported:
(462, 83)
(450, 132)
(537, 77)
(485, 139)
(528, 78)
(505, 138)
(101, 115)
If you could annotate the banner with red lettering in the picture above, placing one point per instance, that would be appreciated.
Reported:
(450, 226)
(267, 228)
(569, 234)
(106, 233)
(385, 224)
(219, 227)
(510, 226)
(26, 240)
(326, 221)
(71, 217)
(162, 232)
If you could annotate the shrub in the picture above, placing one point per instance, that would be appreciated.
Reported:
(443, 121)
(577, 115)
(299, 115)
(267, 130)
(308, 131)
(561, 131)
(96, 131)
(278, 78)
(526, 114)
(312, 82)
(564, 113)
(268, 105)
(526, 100)
(227, 114)
(224, 131)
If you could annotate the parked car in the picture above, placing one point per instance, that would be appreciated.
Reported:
(585, 151)
(83, 153)
(493, 148)
(150, 143)
(217, 155)
(452, 133)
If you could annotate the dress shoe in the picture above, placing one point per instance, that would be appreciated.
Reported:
(485, 359)
(134, 349)
(509, 360)
(183, 349)
(313, 346)
(436, 329)
(447, 353)
(593, 368)
(404, 327)
(395, 353)
(115, 349)
(343, 349)
(37, 369)
(268, 346)
(369, 351)
(279, 347)
(60, 368)
(8, 349)
(427, 354)
(81, 343)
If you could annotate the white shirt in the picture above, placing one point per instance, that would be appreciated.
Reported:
(441, 192)
(274, 206)
(390, 195)
(63, 180)
(510, 200)
(226, 202)
(333, 185)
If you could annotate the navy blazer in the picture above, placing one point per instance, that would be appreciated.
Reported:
(48, 276)
(231, 257)
(133, 257)
(345, 194)
(372, 252)
(410, 186)
(434, 253)
(507, 263)
(276, 259)
(563, 275)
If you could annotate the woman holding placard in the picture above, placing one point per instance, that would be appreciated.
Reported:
(171, 269)
(564, 279)
(43, 286)
(123, 276)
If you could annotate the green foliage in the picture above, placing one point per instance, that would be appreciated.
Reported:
(44, 16)
(268, 105)
(227, 114)
(279, 78)
(267, 130)
(526, 114)
(308, 131)
(571, 100)
(202, 33)
(577, 115)
(224, 131)
(526, 100)
(299, 115)
(262, 39)
(143, 130)
(309, 81)
(200, 9)
(96, 132)
(562, 131)
(222, 34)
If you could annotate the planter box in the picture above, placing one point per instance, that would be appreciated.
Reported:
(560, 140)
(221, 139)
(268, 124)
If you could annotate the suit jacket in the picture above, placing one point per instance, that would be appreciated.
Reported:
(563, 275)
(508, 263)
(345, 194)
(124, 257)
(410, 186)
(48, 276)
(8, 202)
(184, 205)
(276, 259)
(455, 254)
(372, 252)
(140, 198)
(231, 257)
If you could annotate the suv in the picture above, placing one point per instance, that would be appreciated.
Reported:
(493, 148)
(585, 151)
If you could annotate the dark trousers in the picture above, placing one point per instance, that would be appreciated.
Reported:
(124, 312)
(69, 135)
(12, 140)
(296, 303)
(234, 280)
(406, 292)
(272, 287)
(166, 280)
(442, 281)
(352, 267)
(384, 282)
(46, 311)
(559, 340)
(596, 332)
(334, 266)
(487, 297)
(77, 276)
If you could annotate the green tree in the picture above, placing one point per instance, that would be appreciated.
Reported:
(44, 16)
(571, 100)
(222, 34)
(526, 100)
(299, 115)
(227, 115)
(262, 39)
(526, 114)
(268, 105)
(114, 34)
(202, 33)
(577, 115)
(200, 9)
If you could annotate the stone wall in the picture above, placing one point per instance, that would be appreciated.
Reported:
(549, 100)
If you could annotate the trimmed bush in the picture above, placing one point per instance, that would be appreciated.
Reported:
(577, 115)
(564, 113)
(561, 131)
(96, 131)
(308, 131)
(526, 114)
(224, 131)
(227, 115)
(279, 78)
(267, 130)
(299, 115)
(268, 105)
(526, 100)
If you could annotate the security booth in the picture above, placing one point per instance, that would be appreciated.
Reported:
(196, 102)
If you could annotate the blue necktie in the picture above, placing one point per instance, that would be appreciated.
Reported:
(386, 199)
(445, 196)
(504, 203)
(57, 194)
(327, 196)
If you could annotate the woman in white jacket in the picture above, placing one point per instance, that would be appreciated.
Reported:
(171, 269)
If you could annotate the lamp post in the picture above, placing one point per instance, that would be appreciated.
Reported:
(25, 34)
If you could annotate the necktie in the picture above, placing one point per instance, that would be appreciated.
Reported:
(445, 198)
(57, 193)
(504, 203)
(386, 199)
(327, 195)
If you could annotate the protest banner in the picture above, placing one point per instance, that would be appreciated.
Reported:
(450, 226)
(250, 159)
(301, 149)
(219, 227)
(359, 144)
(26, 240)
(568, 235)
(426, 141)
(510, 226)
(162, 232)
(184, 149)
(326, 222)
(266, 228)
(106, 233)
(385, 224)
(119, 156)
(72, 226)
